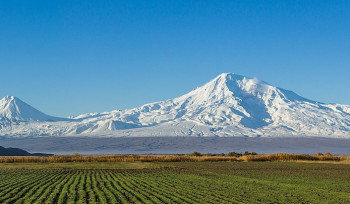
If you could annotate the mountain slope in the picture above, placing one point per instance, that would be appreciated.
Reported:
(18, 152)
(228, 105)
(14, 111)
(13, 152)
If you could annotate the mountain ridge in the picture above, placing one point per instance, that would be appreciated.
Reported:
(228, 105)
(10, 151)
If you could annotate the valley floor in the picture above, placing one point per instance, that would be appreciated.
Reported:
(177, 145)
(178, 182)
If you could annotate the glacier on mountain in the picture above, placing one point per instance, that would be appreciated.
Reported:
(228, 105)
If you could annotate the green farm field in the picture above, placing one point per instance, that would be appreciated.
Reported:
(175, 182)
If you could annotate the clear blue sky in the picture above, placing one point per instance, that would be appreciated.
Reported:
(72, 57)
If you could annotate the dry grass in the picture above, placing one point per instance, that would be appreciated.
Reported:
(296, 157)
(319, 157)
(113, 158)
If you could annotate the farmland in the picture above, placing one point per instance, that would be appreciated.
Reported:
(175, 182)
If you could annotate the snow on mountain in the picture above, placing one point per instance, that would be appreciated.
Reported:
(15, 110)
(229, 105)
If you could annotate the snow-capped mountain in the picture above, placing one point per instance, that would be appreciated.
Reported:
(229, 105)
(14, 111)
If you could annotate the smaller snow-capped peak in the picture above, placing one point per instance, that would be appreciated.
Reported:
(14, 109)
(7, 99)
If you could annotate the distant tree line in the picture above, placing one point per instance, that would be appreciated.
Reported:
(230, 154)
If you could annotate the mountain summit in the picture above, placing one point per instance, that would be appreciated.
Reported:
(228, 105)
(14, 109)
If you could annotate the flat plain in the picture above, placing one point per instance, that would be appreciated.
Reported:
(176, 145)
(175, 182)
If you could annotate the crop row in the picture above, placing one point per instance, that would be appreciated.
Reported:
(101, 186)
(206, 182)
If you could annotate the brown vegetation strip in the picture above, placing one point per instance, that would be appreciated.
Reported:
(294, 157)
(174, 158)
(113, 158)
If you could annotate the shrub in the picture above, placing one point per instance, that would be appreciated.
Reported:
(197, 154)
(234, 154)
(250, 153)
